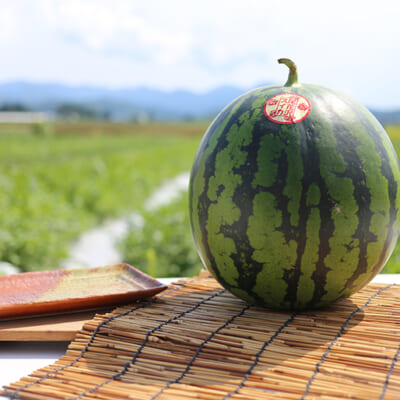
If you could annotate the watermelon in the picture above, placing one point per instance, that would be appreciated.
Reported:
(293, 196)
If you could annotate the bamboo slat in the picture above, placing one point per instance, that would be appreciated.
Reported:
(197, 341)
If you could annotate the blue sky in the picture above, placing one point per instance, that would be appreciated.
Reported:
(352, 46)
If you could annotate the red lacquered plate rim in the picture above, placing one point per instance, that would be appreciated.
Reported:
(60, 291)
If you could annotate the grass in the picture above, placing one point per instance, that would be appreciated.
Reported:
(393, 264)
(55, 187)
(164, 246)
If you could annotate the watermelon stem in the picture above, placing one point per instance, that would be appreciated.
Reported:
(292, 78)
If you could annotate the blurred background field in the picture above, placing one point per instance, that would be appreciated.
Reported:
(59, 180)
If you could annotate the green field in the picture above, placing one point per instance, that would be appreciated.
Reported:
(55, 186)
(58, 181)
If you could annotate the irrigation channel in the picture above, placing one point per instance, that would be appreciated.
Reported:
(98, 246)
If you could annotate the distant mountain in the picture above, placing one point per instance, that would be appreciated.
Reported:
(130, 103)
(387, 117)
(120, 103)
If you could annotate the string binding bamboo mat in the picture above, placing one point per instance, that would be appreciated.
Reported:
(197, 341)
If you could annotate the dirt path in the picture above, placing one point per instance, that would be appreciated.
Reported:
(98, 246)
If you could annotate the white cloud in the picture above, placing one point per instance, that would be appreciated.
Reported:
(353, 46)
(8, 24)
(118, 29)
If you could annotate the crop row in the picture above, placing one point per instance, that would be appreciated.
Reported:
(55, 187)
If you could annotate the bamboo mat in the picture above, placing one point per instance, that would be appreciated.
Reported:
(197, 341)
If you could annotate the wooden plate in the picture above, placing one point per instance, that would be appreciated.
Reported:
(60, 291)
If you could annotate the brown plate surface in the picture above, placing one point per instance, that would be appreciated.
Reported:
(60, 291)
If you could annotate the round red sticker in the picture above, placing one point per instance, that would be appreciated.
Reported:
(287, 108)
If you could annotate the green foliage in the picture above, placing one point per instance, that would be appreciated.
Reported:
(394, 134)
(42, 129)
(393, 265)
(14, 107)
(164, 246)
(56, 187)
(73, 111)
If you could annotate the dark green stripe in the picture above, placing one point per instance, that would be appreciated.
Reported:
(376, 133)
(210, 169)
(312, 162)
(355, 170)
(246, 266)
(388, 173)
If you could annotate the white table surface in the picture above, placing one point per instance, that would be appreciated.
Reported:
(19, 359)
